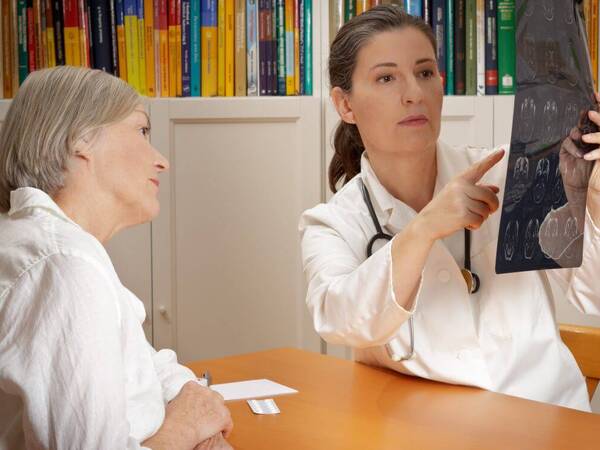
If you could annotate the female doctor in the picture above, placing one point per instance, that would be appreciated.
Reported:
(407, 307)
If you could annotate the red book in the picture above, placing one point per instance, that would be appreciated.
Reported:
(30, 37)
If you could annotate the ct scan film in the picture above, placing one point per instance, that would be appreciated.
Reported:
(543, 212)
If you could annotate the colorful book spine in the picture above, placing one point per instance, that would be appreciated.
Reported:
(491, 47)
(480, 20)
(274, 80)
(59, 32)
(449, 47)
(41, 37)
(438, 22)
(149, 47)
(271, 67)
(289, 48)
(114, 52)
(336, 17)
(240, 48)
(349, 9)
(50, 33)
(178, 53)
(7, 50)
(299, 62)
(22, 31)
(186, 54)
(172, 30)
(221, 48)
(281, 47)
(163, 48)
(459, 46)
(101, 35)
(132, 44)
(14, 12)
(471, 47)
(413, 7)
(262, 46)
(209, 43)
(84, 34)
(252, 65)
(229, 48)
(308, 46)
(121, 38)
(141, 49)
(427, 11)
(506, 47)
(195, 48)
(361, 6)
(32, 61)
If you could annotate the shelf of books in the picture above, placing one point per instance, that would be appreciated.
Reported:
(475, 39)
(165, 48)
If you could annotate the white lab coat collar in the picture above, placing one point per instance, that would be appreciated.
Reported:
(394, 212)
(28, 197)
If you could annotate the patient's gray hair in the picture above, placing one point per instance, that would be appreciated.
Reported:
(52, 110)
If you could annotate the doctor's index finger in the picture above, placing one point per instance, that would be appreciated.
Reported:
(474, 173)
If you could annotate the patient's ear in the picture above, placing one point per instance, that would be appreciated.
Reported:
(342, 104)
(82, 148)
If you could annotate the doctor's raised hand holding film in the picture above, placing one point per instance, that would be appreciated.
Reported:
(433, 209)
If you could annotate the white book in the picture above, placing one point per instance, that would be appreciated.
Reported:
(480, 23)
(252, 47)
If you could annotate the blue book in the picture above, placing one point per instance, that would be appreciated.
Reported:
(195, 75)
(185, 48)
(101, 35)
(491, 48)
(281, 45)
(414, 7)
(252, 65)
(449, 47)
(438, 23)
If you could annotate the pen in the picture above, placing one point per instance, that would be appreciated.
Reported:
(207, 377)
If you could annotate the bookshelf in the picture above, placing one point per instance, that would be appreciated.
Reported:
(220, 270)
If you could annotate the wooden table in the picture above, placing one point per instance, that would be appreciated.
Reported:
(347, 405)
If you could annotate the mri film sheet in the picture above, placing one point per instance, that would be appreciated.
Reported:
(543, 211)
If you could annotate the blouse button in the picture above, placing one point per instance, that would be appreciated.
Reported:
(443, 276)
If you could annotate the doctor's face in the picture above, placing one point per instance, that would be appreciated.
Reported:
(397, 92)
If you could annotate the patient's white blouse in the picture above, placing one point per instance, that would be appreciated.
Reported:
(76, 370)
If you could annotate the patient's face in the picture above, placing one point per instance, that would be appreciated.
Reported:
(127, 167)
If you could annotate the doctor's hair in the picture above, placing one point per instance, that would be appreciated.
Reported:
(349, 40)
(52, 111)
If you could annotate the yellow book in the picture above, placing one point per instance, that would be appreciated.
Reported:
(290, 85)
(172, 61)
(132, 44)
(229, 47)
(296, 51)
(149, 41)
(221, 31)
(178, 70)
(51, 46)
(141, 54)
(72, 47)
(84, 55)
(209, 61)
(361, 6)
(164, 62)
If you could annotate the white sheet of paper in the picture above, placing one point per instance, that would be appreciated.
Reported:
(242, 390)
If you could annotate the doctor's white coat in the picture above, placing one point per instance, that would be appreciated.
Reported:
(503, 338)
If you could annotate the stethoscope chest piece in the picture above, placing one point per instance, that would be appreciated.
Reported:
(471, 279)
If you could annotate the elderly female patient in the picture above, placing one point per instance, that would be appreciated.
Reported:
(76, 371)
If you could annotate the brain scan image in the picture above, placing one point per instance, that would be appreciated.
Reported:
(543, 208)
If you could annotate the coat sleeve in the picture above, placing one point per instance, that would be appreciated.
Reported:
(351, 300)
(581, 285)
(171, 374)
(62, 355)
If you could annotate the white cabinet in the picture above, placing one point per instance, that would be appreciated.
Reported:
(227, 274)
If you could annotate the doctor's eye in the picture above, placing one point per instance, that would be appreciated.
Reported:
(385, 79)
(426, 74)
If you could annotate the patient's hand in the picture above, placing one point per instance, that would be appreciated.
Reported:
(195, 415)
(216, 442)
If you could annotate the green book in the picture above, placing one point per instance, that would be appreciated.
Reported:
(349, 9)
(280, 35)
(22, 40)
(308, 48)
(471, 48)
(506, 47)
(450, 47)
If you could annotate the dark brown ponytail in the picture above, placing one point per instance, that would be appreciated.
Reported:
(343, 54)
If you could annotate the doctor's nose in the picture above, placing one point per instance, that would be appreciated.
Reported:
(412, 92)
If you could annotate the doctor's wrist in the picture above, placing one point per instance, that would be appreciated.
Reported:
(421, 228)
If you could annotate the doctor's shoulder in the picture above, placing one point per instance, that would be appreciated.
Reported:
(344, 213)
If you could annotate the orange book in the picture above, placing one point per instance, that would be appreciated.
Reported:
(594, 30)
(121, 43)
(362, 6)
(163, 48)
(84, 34)
(7, 49)
(149, 41)
(221, 30)
(172, 48)
(229, 47)
(178, 76)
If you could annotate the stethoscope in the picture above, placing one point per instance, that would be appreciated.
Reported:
(471, 278)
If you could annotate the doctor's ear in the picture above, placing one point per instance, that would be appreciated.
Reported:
(342, 104)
